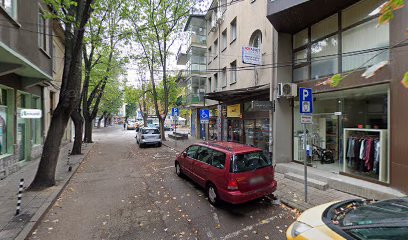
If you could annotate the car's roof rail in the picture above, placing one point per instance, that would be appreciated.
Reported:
(218, 146)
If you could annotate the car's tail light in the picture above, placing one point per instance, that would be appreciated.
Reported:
(232, 185)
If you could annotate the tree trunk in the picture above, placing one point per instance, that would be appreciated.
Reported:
(88, 130)
(79, 128)
(45, 176)
(99, 121)
(69, 95)
(162, 132)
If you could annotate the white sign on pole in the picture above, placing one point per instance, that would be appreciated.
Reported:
(251, 55)
(30, 113)
(306, 119)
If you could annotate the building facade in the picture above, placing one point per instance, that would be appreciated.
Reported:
(26, 72)
(362, 121)
(238, 92)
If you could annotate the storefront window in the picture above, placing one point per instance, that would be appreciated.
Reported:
(234, 130)
(212, 125)
(3, 129)
(341, 121)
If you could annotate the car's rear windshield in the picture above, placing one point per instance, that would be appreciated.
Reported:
(150, 131)
(249, 162)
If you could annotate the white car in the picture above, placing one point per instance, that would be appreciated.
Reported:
(148, 136)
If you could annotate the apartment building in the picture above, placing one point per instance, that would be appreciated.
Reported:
(365, 114)
(238, 93)
(27, 73)
(193, 56)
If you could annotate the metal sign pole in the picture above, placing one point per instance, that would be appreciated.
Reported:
(305, 163)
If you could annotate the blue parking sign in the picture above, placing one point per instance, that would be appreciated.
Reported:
(306, 100)
(204, 115)
(175, 112)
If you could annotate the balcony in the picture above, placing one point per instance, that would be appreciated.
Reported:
(196, 39)
(195, 99)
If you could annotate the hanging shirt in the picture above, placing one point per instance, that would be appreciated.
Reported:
(369, 154)
(376, 156)
(350, 149)
(361, 156)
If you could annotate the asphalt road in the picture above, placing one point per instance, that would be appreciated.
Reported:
(124, 192)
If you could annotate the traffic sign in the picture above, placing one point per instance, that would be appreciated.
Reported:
(204, 116)
(175, 112)
(306, 100)
(306, 119)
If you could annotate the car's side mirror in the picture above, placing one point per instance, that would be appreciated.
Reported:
(184, 154)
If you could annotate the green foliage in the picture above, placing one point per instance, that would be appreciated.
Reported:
(336, 80)
(404, 80)
(387, 11)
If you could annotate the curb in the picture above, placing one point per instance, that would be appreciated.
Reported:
(36, 219)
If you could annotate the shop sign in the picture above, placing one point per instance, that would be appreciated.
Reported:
(261, 106)
(234, 110)
(306, 119)
(251, 55)
(30, 113)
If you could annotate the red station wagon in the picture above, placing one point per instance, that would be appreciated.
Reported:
(231, 172)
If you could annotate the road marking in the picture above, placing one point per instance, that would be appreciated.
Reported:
(248, 228)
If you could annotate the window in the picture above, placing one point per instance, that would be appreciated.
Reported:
(367, 40)
(233, 72)
(43, 38)
(233, 30)
(224, 77)
(256, 39)
(204, 155)
(3, 121)
(224, 40)
(209, 85)
(216, 50)
(324, 57)
(316, 50)
(218, 159)
(21, 100)
(10, 6)
(192, 151)
(249, 162)
(215, 82)
(209, 55)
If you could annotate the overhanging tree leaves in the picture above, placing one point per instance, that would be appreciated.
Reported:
(74, 15)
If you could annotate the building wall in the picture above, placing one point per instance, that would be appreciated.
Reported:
(21, 34)
(399, 100)
(249, 18)
(282, 117)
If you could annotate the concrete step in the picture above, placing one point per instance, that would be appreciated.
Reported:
(310, 181)
(342, 183)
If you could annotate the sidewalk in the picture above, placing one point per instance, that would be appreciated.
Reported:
(289, 192)
(34, 204)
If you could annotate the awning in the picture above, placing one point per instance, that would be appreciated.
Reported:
(291, 16)
(13, 62)
(237, 94)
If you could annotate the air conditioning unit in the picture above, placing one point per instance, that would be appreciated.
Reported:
(220, 17)
(287, 90)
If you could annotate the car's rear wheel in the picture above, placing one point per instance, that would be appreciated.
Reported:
(140, 145)
(178, 170)
(212, 195)
(159, 144)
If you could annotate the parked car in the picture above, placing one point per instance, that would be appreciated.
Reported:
(229, 172)
(130, 125)
(148, 136)
(353, 219)
(168, 128)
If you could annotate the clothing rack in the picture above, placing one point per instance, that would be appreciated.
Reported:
(378, 134)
